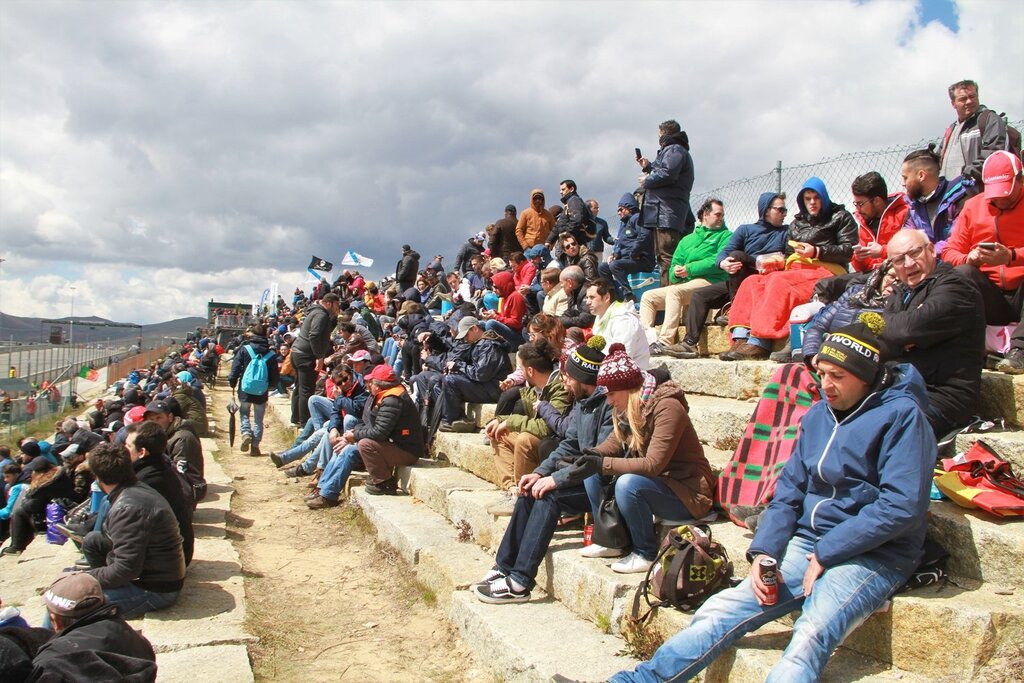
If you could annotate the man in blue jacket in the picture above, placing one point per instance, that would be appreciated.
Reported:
(846, 525)
(738, 260)
(472, 377)
(633, 251)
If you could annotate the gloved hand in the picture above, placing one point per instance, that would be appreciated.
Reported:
(584, 465)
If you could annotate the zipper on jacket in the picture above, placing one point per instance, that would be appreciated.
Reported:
(824, 453)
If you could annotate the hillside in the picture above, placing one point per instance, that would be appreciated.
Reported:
(91, 329)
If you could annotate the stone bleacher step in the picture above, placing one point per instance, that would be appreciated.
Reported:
(505, 637)
(986, 623)
(1001, 395)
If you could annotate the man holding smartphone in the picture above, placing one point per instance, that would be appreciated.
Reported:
(987, 246)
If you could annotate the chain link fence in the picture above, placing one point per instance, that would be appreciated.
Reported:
(740, 196)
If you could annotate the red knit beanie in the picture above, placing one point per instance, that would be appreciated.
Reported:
(618, 371)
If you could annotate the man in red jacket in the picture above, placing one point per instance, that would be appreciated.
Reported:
(987, 246)
(509, 321)
(879, 216)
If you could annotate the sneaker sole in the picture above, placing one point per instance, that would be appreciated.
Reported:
(490, 600)
(605, 554)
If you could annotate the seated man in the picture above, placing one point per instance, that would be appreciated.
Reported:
(547, 492)
(936, 318)
(577, 311)
(91, 641)
(633, 251)
(737, 259)
(987, 247)
(575, 253)
(136, 556)
(474, 378)
(516, 438)
(555, 301)
(693, 268)
(879, 215)
(390, 434)
(839, 556)
(617, 321)
(934, 202)
(819, 244)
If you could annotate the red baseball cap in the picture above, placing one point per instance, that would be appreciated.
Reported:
(382, 373)
(999, 174)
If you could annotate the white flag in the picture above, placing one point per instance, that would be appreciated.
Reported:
(351, 258)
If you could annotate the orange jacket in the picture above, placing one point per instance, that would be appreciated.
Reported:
(980, 221)
(894, 218)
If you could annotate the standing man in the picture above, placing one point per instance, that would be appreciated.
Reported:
(504, 241)
(667, 183)
(602, 234)
(988, 248)
(846, 525)
(977, 132)
(575, 216)
(313, 343)
(474, 246)
(253, 385)
(407, 269)
(535, 222)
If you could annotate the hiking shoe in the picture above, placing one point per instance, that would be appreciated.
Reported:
(683, 350)
(559, 678)
(752, 521)
(255, 452)
(276, 459)
(295, 471)
(632, 564)
(1012, 363)
(444, 426)
(745, 351)
(319, 502)
(595, 550)
(504, 507)
(246, 440)
(744, 511)
(10, 551)
(657, 349)
(388, 487)
(463, 426)
(722, 320)
(500, 592)
(783, 355)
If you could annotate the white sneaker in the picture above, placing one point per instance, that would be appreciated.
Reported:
(595, 550)
(633, 564)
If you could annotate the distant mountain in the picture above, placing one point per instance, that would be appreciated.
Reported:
(92, 329)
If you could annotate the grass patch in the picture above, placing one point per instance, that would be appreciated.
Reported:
(428, 596)
(603, 622)
(642, 640)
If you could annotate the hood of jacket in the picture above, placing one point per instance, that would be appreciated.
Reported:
(629, 201)
(818, 185)
(763, 202)
(534, 192)
(680, 138)
(503, 282)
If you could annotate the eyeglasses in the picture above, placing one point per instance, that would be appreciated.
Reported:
(781, 209)
(861, 203)
(913, 254)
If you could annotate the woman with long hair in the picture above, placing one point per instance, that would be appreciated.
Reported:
(654, 455)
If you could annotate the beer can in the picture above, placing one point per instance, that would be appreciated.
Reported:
(588, 534)
(770, 578)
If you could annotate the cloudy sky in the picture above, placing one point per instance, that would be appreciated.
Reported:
(156, 154)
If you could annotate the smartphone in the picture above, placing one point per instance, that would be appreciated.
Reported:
(638, 154)
(987, 246)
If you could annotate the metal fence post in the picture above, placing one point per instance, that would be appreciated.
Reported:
(778, 177)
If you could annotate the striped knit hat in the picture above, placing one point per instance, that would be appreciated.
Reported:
(584, 362)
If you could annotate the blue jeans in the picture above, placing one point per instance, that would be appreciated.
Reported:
(843, 597)
(135, 601)
(332, 481)
(514, 339)
(618, 272)
(320, 410)
(303, 447)
(529, 532)
(639, 500)
(253, 428)
(322, 453)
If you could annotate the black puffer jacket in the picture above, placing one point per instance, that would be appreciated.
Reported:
(462, 260)
(578, 313)
(98, 647)
(392, 416)
(146, 543)
(183, 444)
(585, 259)
(575, 219)
(940, 326)
(157, 472)
(315, 336)
(487, 361)
(833, 230)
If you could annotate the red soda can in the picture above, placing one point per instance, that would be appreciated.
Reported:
(770, 578)
(588, 534)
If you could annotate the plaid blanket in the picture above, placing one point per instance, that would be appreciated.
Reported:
(769, 439)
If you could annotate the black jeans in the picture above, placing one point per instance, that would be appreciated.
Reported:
(529, 532)
(459, 389)
(714, 296)
(1002, 307)
(305, 386)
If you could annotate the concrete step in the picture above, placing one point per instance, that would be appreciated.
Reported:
(1001, 395)
(986, 621)
(508, 637)
(504, 636)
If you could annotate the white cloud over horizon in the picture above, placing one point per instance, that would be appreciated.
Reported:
(156, 154)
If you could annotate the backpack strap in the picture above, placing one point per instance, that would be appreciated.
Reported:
(252, 354)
